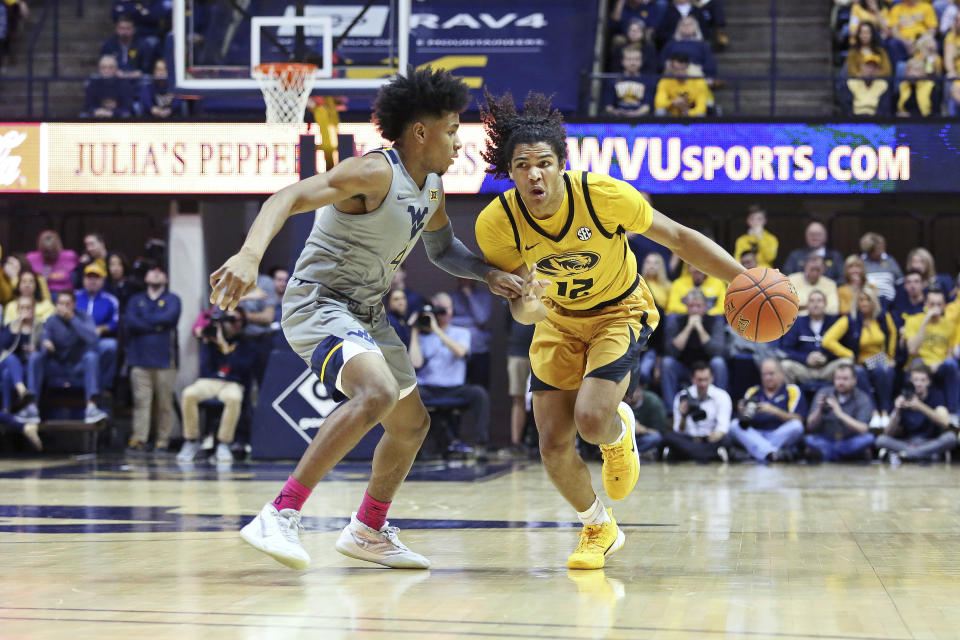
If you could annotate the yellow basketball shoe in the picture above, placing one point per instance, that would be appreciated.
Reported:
(621, 461)
(596, 542)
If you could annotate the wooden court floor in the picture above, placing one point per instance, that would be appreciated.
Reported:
(104, 549)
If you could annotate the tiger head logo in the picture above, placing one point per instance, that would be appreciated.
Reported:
(568, 264)
(742, 324)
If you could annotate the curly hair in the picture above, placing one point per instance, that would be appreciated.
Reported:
(506, 129)
(420, 93)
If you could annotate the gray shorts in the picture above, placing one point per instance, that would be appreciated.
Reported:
(327, 331)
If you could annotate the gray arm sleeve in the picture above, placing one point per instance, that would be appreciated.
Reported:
(451, 255)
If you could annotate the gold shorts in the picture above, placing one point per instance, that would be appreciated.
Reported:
(569, 346)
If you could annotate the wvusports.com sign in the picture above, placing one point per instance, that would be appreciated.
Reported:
(691, 157)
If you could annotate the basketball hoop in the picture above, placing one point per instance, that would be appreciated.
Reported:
(286, 88)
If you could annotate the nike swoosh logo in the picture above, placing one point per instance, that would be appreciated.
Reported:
(531, 246)
(402, 196)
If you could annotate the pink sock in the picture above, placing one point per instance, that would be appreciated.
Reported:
(292, 496)
(372, 512)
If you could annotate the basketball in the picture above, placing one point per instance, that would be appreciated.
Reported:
(761, 304)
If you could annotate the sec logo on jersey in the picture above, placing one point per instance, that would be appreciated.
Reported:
(584, 233)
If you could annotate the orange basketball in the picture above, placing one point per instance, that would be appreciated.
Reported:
(761, 304)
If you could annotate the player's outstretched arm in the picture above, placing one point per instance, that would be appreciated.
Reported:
(451, 255)
(694, 248)
(528, 309)
(367, 177)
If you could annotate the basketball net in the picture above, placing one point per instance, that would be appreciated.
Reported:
(286, 88)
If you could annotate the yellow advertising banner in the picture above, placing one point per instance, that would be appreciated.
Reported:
(20, 157)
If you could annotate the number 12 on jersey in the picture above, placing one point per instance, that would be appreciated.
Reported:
(580, 288)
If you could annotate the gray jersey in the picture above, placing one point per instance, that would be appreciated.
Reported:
(356, 255)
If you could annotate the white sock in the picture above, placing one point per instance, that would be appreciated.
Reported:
(623, 430)
(596, 514)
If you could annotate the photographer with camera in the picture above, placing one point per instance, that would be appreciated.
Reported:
(438, 351)
(837, 425)
(771, 416)
(701, 419)
(226, 366)
(694, 337)
(918, 427)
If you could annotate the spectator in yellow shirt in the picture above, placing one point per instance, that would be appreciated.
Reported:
(680, 95)
(757, 238)
(654, 272)
(812, 279)
(951, 60)
(912, 18)
(712, 288)
(869, 337)
(931, 338)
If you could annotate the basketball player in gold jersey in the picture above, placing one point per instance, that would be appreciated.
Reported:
(564, 233)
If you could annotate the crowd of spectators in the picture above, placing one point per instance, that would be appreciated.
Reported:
(662, 56)
(870, 367)
(897, 57)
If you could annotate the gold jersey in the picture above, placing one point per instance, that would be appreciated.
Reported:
(582, 248)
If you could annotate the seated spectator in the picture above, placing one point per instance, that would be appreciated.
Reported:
(654, 273)
(156, 98)
(757, 238)
(151, 18)
(910, 299)
(868, 47)
(864, 12)
(812, 279)
(677, 11)
(951, 59)
(20, 341)
(868, 336)
(519, 338)
(438, 351)
(94, 252)
(771, 416)
(916, 91)
(693, 337)
(881, 269)
(628, 12)
(680, 94)
(637, 38)
(650, 418)
(869, 91)
(919, 423)
(279, 277)
(806, 359)
(259, 314)
(854, 280)
(472, 306)
(133, 56)
(631, 95)
(118, 283)
(930, 339)
(921, 260)
(816, 242)
(399, 281)
(712, 289)
(104, 310)
(226, 366)
(701, 419)
(27, 288)
(150, 326)
(10, 272)
(749, 259)
(107, 94)
(70, 354)
(53, 262)
(911, 19)
(13, 266)
(715, 16)
(688, 39)
(396, 307)
(837, 425)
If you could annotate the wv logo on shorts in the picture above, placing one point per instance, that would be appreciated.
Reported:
(416, 219)
(362, 334)
(568, 264)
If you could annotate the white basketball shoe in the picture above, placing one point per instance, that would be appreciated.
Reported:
(359, 541)
(277, 534)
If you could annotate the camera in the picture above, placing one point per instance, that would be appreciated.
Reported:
(216, 319)
(694, 411)
(749, 412)
(423, 319)
(908, 391)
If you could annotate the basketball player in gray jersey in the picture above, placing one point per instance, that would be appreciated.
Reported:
(371, 212)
